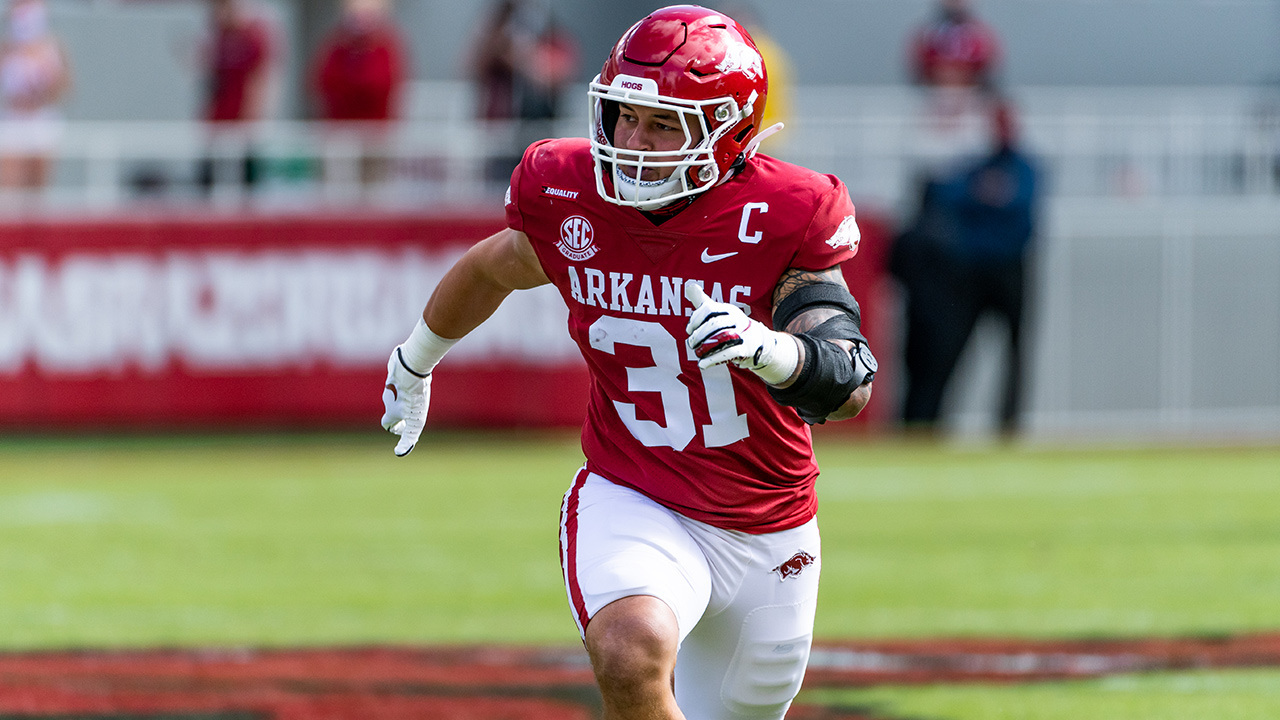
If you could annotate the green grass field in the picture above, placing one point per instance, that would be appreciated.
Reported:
(1236, 695)
(329, 539)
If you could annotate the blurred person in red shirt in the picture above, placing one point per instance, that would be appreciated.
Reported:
(553, 63)
(540, 81)
(521, 61)
(493, 62)
(360, 66)
(358, 75)
(953, 58)
(237, 61)
(955, 49)
(34, 77)
(493, 66)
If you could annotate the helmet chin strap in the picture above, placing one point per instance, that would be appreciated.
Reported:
(754, 146)
(747, 153)
(651, 193)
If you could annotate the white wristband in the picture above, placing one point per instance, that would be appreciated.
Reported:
(778, 362)
(423, 350)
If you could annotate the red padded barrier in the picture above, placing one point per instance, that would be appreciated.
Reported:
(265, 321)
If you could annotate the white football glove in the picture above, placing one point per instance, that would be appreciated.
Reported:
(405, 397)
(721, 332)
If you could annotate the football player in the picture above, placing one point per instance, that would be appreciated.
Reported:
(704, 290)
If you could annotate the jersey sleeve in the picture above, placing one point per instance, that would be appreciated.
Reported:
(832, 235)
(539, 158)
(515, 219)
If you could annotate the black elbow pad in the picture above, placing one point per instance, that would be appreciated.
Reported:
(822, 294)
(829, 375)
(826, 381)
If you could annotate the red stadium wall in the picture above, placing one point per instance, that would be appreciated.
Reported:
(273, 322)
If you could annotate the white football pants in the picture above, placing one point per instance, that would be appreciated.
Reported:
(745, 603)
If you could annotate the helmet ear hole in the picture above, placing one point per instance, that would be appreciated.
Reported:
(743, 133)
(609, 112)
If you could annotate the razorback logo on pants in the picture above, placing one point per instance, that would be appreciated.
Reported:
(795, 565)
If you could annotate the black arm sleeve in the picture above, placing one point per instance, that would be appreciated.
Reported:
(829, 374)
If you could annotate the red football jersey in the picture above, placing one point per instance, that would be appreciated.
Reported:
(710, 444)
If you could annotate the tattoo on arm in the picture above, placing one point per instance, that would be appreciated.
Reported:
(794, 279)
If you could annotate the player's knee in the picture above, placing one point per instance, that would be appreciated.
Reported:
(765, 677)
(632, 646)
(765, 673)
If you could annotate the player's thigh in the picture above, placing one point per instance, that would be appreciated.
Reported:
(616, 543)
(747, 659)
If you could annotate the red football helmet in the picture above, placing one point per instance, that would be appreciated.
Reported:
(703, 66)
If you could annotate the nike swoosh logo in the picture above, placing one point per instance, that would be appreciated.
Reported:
(709, 258)
(395, 394)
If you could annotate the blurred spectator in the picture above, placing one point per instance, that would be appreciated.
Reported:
(996, 202)
(493, 65)
(954, 58)
(237, 62)
(360, 66)
(34, 77)
(551, 64)
(921, 262)
(965, 257)
(359, 72)
(522, 60)
(495, 57)
(955, 49)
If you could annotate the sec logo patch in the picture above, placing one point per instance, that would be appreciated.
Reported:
(577, 238)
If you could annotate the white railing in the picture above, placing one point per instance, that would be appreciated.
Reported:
(1084, 155)
(111, 167)
(1101, 145)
